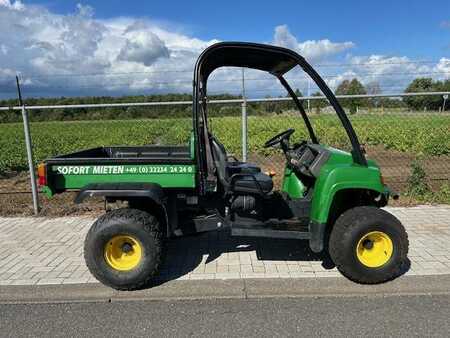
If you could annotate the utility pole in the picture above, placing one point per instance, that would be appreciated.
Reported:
(244, 120)
(26, 129)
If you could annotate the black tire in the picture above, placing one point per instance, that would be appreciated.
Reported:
(347, 232)
(138, 224)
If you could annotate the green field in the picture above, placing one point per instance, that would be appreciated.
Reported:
(416, 133)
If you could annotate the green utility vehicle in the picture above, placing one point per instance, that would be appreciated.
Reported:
(330, 197)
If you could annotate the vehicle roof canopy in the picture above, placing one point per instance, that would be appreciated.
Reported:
(272, 59)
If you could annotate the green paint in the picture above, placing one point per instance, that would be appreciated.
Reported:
(341, 173)
(80, 170)
(77, 176)
(292, 185)
(47, 191)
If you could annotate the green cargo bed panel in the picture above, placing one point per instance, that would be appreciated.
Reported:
(62, 177)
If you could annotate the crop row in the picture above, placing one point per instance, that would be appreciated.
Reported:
(419, 134)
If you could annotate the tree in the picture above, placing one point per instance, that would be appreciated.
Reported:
(319, 103)
(353, 87)
(342, 88)
(423, 102)
(298, 93)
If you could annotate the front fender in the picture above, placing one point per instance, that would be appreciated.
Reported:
(332, 180)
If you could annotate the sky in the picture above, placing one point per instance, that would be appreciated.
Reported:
(114, 47)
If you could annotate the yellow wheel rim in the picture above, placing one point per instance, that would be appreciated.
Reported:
(123, 253)
(374, 249)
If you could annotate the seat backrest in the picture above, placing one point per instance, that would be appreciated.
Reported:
(220, 160)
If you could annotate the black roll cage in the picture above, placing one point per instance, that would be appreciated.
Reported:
(275, 60)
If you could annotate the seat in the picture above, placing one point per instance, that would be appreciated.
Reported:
(254, 183)
(234, 166)
(239, 176)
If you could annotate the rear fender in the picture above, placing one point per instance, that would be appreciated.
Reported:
(129, 191)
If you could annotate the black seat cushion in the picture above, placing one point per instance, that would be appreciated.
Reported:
(247, 183)
(242, 167)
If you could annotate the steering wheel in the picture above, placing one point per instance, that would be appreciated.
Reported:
(279, 138)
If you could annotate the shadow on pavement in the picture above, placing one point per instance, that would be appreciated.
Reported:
(185, 254)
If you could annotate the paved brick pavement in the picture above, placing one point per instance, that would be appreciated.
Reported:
(49, 251)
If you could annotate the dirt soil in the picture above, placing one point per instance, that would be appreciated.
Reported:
(15, 196)
(16, 200)
(396, 167)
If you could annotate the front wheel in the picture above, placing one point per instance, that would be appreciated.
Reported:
(369, 245)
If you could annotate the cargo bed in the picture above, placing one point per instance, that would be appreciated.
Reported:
(155, 154)
(168, 166)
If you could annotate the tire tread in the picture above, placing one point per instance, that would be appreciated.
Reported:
(150, 225)
(341, 230)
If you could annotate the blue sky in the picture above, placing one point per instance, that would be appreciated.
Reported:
(404, 27)
(116, 47)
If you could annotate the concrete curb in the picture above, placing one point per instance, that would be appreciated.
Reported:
(226, 289)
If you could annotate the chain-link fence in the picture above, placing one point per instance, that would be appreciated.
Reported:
(397, 137)
(394, 139)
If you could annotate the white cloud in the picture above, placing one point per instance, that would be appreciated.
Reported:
(312, 50)
(41, 44)
(7, 78)
(393, 73)
(127, 55)
(16, 5)
(144, 47)
(443, 67)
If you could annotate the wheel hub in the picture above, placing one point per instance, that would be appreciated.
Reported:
(123, 252)
(127, 247)
(374, 249)
(368, 244)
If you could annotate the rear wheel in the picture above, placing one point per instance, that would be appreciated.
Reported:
(123, 248)
(369, 245)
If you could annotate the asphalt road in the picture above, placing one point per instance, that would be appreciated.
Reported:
(407, 315)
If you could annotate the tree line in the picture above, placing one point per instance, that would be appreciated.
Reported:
(346, 87)
(434, 102)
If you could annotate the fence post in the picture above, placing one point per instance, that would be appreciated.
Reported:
(26, 129)
(244, 120)
(309, 94)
